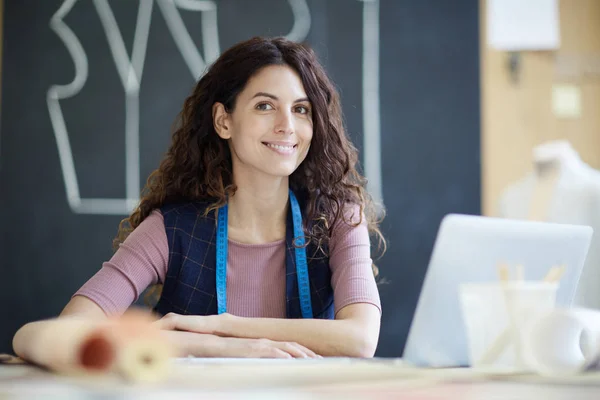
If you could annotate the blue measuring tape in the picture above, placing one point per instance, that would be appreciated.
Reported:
(300, 256)
(222, 260)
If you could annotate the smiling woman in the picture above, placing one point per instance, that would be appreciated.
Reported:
(270, 130)
(256, 223)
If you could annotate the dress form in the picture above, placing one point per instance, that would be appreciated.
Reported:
(561, 189)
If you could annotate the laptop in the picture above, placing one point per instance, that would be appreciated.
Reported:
(468, 249)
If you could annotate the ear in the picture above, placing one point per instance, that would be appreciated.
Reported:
(221, 121)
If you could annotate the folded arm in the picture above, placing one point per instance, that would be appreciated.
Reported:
(354, 332)
(38, 342)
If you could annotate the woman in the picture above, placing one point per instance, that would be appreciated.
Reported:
(256, 223)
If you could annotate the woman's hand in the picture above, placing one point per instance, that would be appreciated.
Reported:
(203, 345)
(264, 348)
(195, 334)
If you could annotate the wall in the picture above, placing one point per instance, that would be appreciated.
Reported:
(518, 116)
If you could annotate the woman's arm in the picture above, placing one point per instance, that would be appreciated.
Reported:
(354, 332)
(138, 263)
(207, 345)
(42, 342)
(27, 341)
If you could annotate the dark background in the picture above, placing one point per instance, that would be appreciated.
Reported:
(429, 96)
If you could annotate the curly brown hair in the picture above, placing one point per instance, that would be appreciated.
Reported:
(198, 166)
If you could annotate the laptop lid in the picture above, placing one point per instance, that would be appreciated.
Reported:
(468, 249)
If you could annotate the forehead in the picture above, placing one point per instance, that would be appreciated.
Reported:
(279, 80)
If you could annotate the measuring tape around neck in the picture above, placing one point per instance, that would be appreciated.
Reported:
(299, 252)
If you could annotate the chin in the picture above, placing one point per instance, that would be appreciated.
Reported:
(280, 172)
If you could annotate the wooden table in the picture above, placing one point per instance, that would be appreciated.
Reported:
(300, 379)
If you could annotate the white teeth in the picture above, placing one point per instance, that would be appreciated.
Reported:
(276, 146)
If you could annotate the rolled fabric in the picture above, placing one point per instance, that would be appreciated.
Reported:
(130, 346)
(564, 342)
(143, 354)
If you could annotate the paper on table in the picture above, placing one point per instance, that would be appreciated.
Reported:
(565, 342)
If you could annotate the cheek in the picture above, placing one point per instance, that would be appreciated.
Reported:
(306, 132)
(247, 131)
(306, 137)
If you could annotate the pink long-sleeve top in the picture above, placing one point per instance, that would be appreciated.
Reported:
(255, 272)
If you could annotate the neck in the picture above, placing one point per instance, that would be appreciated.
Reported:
(258, 209)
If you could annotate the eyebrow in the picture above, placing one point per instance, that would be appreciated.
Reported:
(272, 96)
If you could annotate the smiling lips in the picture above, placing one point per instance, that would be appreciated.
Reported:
(283, 148)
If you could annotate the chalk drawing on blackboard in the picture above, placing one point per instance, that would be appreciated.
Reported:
(131, 70)
(130, 73)
(183, 40)
(371, 110)
(302, 21)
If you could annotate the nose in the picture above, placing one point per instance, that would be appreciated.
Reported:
(284, 123)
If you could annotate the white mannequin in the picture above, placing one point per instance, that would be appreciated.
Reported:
(561, 189)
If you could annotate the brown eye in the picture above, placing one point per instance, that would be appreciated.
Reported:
(264, 107)
(302, 109)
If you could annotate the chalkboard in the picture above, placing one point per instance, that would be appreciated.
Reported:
(79, 136)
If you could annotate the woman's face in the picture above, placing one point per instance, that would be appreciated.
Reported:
(271, 127)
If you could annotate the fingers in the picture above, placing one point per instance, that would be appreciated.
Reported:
(309, 352)
(270, 348)
(297, 351)
(168, 322)
(277, 353)
(261, 348)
